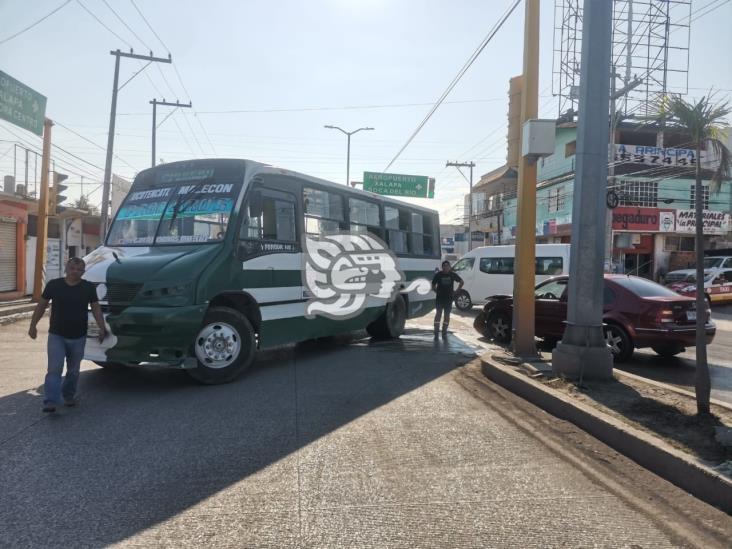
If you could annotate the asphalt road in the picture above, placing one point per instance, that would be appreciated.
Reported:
(679, 371)
(345, 443)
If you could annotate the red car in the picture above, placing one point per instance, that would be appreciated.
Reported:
(637, 313)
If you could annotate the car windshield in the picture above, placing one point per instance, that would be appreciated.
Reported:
(644, 288)
(712, 262)
(194, 211)
(692, 277)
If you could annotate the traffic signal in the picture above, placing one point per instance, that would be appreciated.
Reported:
(54, 193)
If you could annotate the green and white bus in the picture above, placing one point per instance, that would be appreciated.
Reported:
(203, 265)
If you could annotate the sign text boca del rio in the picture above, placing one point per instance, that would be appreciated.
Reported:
(417, 186)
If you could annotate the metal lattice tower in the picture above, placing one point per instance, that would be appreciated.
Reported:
(650, 53)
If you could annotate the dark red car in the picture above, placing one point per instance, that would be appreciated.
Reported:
(637, 313)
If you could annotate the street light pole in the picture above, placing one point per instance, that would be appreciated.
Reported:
(348, 150)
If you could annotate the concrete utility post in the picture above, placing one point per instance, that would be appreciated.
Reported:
(107, 183)
(155, 125)
(583, 351)
(525, 262)
(470, 165)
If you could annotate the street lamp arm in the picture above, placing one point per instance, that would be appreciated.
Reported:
(335, 128)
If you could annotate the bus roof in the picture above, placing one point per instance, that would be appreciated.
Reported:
(261, 167)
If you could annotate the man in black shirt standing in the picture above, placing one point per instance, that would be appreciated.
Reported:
(443, 285)
(69, 296)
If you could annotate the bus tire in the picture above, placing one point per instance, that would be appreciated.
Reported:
(390, 325)
(225, 346)
(463, 301)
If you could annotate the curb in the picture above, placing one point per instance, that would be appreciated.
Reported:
(647, 450)
(15, 317)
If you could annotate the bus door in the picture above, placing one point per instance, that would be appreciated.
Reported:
(268, 245)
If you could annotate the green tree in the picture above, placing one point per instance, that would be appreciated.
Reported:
(704, 122)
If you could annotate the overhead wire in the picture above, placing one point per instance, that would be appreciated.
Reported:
(457, 78)
(41, 20)
(180, 78)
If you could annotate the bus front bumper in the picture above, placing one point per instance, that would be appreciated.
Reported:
(147, 335)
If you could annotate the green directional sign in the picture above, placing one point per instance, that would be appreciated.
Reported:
(21, 105)
(394, 184)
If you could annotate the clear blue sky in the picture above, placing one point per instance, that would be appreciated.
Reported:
(262, 55)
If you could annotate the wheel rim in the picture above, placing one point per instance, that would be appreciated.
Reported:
(463, 301)
(614, 341)
(218, 345)
(500, 327)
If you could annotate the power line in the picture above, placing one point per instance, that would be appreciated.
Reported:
(150, 26)
(180, 79)
(457, 78)
(103, 24)
(127, 26)
(29, 27)
(97, 145)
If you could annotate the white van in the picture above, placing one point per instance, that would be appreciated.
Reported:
(488, 271)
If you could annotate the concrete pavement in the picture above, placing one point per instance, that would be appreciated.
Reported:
(351, 443)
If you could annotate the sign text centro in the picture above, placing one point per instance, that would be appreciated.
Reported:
(21, 105)
(394, 184)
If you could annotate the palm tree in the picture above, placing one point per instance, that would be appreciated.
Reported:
(703, 121)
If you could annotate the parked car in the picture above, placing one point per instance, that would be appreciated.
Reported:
(488, 271)
(717, 286)
(711, 263)
(637, 313)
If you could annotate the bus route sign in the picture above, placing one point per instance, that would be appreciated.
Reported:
(20, 105)
(394, 184)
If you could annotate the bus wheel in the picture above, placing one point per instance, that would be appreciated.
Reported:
(390, 324)
(225, 346)
(463, 301)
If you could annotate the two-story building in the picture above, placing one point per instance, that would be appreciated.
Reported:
(653, 190)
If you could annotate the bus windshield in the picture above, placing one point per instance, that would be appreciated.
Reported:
(195, 211)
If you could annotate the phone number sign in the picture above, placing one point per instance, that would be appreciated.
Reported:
(656, 156)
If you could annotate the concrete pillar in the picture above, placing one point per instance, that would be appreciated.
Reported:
(583, 353)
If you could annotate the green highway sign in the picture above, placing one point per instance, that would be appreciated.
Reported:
(394, 184)
(21, 105)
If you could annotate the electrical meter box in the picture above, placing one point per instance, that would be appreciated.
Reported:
(537, 138)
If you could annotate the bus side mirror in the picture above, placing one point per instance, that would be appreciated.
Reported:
(255, 205)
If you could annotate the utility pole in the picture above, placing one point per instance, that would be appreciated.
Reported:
(348, 150)
(583, 351)
(112, 119)
(155, 126)
(525, 257)
(470, 165)
(42, 225)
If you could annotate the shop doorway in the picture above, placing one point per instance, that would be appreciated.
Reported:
(638, 265)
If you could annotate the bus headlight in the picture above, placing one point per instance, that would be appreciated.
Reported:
(174, 290)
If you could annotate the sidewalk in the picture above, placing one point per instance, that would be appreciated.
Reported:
(12, 311)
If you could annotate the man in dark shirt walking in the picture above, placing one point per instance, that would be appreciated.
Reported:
(69, 296)
(443, 285)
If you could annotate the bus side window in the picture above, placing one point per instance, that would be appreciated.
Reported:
(324, 211)
(268, 224)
